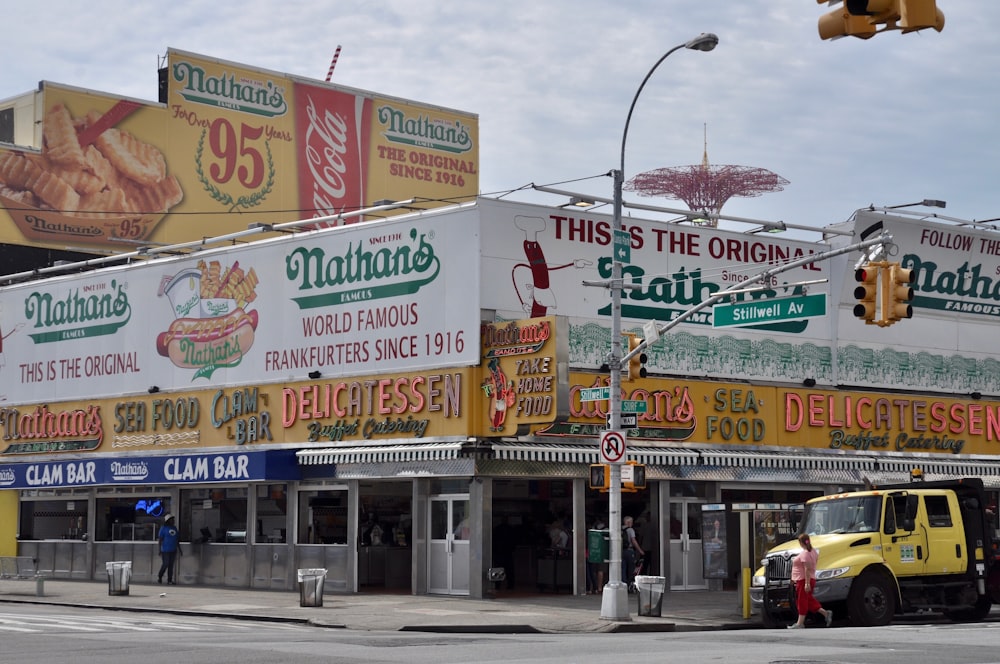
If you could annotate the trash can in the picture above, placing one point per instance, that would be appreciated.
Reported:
(598, 546)
(650, 594)
(119, 574)
(311, 586)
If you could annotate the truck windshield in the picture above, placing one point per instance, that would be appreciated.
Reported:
(854, 514)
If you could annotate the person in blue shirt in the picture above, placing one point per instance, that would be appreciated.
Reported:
(167, 537)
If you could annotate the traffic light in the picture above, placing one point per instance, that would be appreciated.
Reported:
(862, 18)
(600, 476)
(638, 480)
(898, 293)
(637, 363)
(866, 292)
(848, 20)
(919, 14)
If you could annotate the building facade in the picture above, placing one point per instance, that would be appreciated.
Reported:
(399, 402)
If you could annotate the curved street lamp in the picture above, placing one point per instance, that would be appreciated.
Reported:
(614, 598)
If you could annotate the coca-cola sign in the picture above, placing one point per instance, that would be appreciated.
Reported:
(332, 129)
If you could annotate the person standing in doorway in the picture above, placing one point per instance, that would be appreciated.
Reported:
(631, 550)
(804, 578)
(167, 537)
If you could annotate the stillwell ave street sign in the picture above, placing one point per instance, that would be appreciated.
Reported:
(757, 312)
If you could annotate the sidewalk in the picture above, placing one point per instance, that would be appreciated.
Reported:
(681, 611)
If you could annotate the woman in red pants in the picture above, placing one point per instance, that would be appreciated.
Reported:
(804, 578)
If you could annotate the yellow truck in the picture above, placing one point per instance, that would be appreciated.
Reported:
(922, 546)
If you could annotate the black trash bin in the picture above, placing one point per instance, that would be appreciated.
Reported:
(311, 583)
(651, 590)
(119, 575)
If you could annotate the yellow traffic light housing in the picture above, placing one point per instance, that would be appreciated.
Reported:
(843, 22)
(919, 14)
(897, 294)
(866, 292)
(600, 476)
(862, 18)
(637, 363)
(638, 477)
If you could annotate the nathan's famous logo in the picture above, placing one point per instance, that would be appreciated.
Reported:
(967, 282)
(230, 91)
(89, 311)
(212, 327)
(669, 415)
(44, 430)
(515, 338)
(360, 274)
(687, 289)
(423, 131)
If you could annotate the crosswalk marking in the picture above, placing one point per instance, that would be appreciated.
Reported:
(27, 623)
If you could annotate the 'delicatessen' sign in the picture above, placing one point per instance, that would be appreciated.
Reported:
(734, 414)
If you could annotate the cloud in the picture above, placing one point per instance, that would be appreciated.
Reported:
(889, 120)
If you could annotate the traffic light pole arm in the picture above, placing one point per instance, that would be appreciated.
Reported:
(884, 238)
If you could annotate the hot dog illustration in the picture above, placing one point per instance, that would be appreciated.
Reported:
(190, 341)
(213, 327)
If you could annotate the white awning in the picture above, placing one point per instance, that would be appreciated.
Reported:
(566, 453)
(797, 461)
(381, 453)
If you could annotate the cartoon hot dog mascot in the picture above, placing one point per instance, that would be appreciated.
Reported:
(213, 327)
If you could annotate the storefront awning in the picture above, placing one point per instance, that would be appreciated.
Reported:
(567, 453)
(785, 460)
(403, 452)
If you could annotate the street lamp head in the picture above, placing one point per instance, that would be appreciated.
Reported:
(706, 41)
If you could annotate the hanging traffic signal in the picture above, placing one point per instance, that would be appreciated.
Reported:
(637, 363)
(848, 20)
(898, 293)
(919, 14)
(866, 292)
(862, 18)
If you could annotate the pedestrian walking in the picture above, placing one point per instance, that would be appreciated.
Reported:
(804, 579)
(167, 537)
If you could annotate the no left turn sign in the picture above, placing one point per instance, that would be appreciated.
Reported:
(612, 447)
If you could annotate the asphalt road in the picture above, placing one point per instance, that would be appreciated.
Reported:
(37, 634)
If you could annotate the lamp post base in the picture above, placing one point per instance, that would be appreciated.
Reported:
(614, 602)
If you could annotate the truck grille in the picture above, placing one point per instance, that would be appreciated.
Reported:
(779, 568)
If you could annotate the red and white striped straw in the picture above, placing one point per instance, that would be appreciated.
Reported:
(333, 63)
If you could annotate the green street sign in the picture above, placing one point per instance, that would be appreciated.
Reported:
(623, 246)
(595, 393)
(758, 312)
(634, 406)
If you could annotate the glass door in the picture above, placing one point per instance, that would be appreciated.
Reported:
(686, 562)
(448, 556)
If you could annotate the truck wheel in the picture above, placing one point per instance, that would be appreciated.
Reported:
(872, 600)
(976, 614)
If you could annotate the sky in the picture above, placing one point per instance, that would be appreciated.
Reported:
(849, 123)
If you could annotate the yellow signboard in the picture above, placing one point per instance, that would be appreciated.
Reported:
(228, 146)
(360, 409)
(740, 414)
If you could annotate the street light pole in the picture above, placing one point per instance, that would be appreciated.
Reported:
(614, 598)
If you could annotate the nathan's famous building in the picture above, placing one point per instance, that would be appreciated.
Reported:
(399, 401)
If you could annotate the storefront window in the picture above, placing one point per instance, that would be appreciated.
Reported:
(56, 518)
(216, 514)
(272, 509)
(132, 517)
(322, 517)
